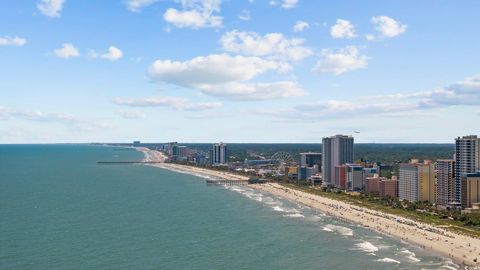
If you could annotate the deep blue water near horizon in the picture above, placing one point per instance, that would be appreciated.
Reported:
(60, 210)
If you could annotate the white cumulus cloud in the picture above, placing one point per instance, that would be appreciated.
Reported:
(51, 8)
(300, 26)
(224, 76)
(341, 61)
(386, 27)
(343, 29)
(66, 51)
(271, 45)
(211, 69)
(195, 14)
(113, 54)
(255, 91)
(12, 41)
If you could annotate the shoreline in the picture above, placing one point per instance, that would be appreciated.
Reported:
(463, 250)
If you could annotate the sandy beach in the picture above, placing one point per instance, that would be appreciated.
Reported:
(461, 249)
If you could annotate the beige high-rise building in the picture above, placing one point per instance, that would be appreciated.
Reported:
(470, 189)
(417, 181)
(445, 182)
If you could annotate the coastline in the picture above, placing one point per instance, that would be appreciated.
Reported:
(462, 249)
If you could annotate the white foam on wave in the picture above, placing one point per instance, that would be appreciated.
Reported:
(410, 255)
(296, 215)
(315, 218)
(367, 247)
(388, 260)
(249, 193)
(270, 201)
(452, 266)
(340, 229)
(327, 229)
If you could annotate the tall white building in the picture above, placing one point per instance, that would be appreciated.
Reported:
(467, 160)
(336, 150)
(219, 154)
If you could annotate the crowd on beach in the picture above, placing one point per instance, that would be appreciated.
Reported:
(463, 249)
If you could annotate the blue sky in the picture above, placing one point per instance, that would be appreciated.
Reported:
(238, 71)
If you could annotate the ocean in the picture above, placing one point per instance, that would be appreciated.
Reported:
(59, 209)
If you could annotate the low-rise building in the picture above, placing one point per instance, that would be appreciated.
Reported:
(389, 187)
(304, 173)
(292, 173)
(355, 177)
(372, 184)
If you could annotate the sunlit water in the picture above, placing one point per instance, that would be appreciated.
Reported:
(60, 210)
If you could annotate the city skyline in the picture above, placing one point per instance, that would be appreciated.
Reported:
(265, 71)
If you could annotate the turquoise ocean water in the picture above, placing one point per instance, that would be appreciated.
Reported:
(60, 210)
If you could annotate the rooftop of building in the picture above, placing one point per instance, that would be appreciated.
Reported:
(467, 137)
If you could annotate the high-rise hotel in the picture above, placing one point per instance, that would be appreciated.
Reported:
(467, 160)
(445, 182)
(417, 181)
(336, 150)
(219, 154)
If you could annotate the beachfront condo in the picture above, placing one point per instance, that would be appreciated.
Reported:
(336, 150)
(417, 181)
(467, 160)
(445, 182)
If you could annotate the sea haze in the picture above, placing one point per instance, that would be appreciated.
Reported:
(60, 210)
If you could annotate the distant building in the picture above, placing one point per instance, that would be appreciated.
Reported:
(382, 186)
(389, 187)
(470, 189)
(200, 159)
(417, 181)
(385, 168)
(175, 152)
(169, 148)
(445, 182)
(372, 184)
(292, 173)
(219, 154)
(467, 160)
(304, 173)
(370, 172)
(340, 179)
(336, 150)
(311, 159)
(355, 177)
(182, 152)
(257, 162)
